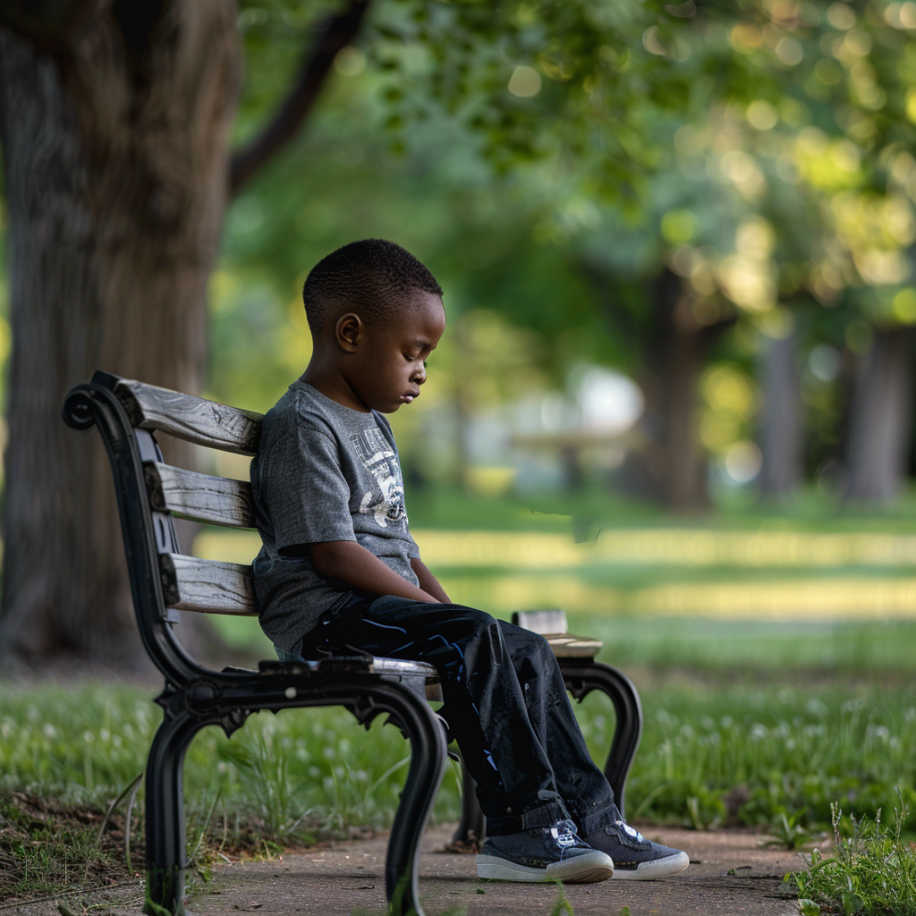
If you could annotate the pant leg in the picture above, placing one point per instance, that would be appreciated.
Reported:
(485, 704)
(583, 787)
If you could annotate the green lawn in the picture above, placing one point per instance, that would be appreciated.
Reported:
(774, 656)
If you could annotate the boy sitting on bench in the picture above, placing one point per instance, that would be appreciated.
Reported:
(340, 573)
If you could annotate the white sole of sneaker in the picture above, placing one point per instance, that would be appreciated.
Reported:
(649, 871)
(585, 869)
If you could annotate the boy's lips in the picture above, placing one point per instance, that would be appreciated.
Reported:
(407, 398)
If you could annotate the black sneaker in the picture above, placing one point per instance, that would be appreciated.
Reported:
(543, 854)
(635, 857)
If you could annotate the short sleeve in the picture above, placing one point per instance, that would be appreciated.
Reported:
(307, 493)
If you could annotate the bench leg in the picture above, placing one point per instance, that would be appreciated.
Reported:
(473, 824)
(427, 767)
(581, 679)
(165, 839)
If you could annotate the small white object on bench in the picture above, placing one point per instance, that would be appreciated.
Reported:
(552, 625)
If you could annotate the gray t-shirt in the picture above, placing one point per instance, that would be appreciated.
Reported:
(323, 472)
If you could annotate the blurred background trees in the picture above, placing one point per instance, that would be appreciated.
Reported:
(676, 242)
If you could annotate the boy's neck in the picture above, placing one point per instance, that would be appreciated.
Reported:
(334, 388)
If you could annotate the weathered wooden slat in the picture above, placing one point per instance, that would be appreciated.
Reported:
(217, 500)
(197, 420)
(191, 584)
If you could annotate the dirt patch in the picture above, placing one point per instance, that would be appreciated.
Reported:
(46, 845)
(50, 851)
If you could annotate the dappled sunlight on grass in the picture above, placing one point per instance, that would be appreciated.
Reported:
(663, 571)
(675, 546)
(834, 598)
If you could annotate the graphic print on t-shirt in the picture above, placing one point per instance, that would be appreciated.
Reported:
(379, 459)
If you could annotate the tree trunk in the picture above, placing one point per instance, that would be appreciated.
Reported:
(880, 419)
(781, 429)
(675, 457)
(115, 152)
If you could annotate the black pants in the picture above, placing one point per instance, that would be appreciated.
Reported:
(505, 704)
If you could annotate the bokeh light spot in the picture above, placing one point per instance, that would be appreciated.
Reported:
(350, 61)
(525, 82)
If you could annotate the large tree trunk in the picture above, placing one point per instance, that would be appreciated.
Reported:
(674, 456)
(880, 417)
(781, 428)
(115, 151)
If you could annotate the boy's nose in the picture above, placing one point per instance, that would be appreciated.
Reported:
(420, 374)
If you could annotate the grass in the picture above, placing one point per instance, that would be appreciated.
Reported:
(872, 871)
(761, 708)
(751, 755)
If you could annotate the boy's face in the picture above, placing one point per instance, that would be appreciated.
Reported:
(387, 362)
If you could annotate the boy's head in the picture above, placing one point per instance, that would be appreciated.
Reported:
(375, 313)
(372, 278)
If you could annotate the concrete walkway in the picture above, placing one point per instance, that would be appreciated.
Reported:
(348, 878)
(730, 875)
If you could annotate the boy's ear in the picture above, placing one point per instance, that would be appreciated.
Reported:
(347, 331)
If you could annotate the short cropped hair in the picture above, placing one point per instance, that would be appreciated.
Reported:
(372, 277)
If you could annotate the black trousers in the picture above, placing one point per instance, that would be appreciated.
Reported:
(505, 703)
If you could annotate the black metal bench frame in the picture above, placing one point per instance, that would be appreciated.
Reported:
(126, 414)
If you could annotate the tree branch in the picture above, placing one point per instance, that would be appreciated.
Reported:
(335, 33)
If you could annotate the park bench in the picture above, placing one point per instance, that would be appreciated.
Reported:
(165, 582)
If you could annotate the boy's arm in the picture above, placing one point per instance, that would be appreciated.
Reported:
(428, 582)
(351, 563)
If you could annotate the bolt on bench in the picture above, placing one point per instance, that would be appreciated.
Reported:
(164, 582)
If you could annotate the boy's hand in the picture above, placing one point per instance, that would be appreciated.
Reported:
(349, 563)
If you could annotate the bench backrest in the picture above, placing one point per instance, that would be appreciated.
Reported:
(190, 583)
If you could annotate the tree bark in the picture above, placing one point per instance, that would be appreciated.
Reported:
(781, 428)
(674, 456)
(115, 153)
(880, 416)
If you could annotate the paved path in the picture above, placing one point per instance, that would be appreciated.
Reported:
(347, 878)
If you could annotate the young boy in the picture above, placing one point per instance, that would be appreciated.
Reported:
(339, 571)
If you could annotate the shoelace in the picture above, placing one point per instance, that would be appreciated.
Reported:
(565, 836)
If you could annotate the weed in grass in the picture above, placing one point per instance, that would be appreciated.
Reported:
(265, 770)
(562, 906)
(788, 831)
(705, 808)
(871, 873)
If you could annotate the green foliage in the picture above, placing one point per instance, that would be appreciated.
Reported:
(562, 907)
(871, 872)
(787, 831)
(761, 753)
(551, 162)
(47, 846)
(749, 755)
